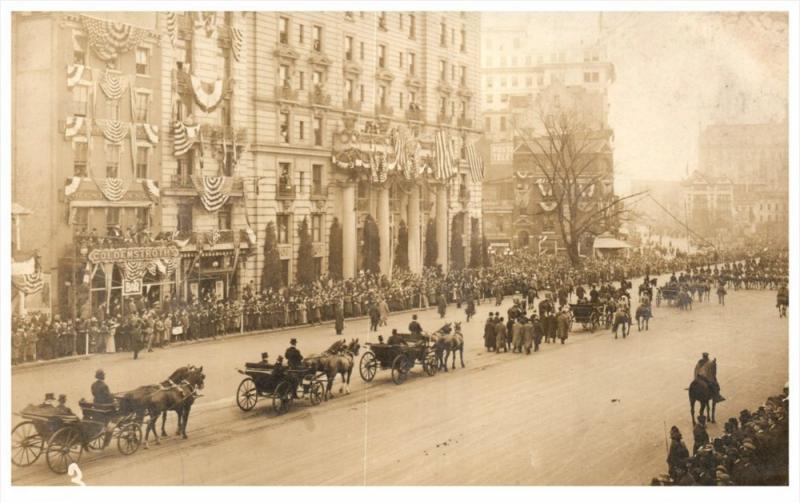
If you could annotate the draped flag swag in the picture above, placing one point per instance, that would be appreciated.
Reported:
(74, 126)
(214, 190)
(152, 190)
(113, 131)
(172, 28)
(544, 188)
(109, 39)
(443, 158)
(134, 270)
(72, 187)
(207, 100)
(74, 75)
(548, 205)
(475, 164)
(113, 85)
(113, 189)
(28, 283)
(237, 42)
(251, 236)
(183, 137)
(151, 132)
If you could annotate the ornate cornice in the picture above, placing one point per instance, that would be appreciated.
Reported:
(285, 52)
(319, 59)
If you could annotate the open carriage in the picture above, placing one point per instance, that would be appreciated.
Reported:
(281, 387)
(400, 358)
(590, 316)
(667, 293)
(63, 436)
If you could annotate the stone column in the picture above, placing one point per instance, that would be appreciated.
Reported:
(349, 234)
(414, 232)
(441, 225)
(384, 231)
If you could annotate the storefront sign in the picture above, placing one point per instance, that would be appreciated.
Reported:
(132, 287)
(134, 254)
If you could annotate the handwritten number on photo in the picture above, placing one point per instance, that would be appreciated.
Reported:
(77, 476)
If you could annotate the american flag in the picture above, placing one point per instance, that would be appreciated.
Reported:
(443, 157)
(475, 164)
(400, 157)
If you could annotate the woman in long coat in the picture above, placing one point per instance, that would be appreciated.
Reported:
(488, 333)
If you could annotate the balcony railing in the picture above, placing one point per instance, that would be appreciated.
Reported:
(444, 118)
(285, 93)
(464, 122)
(286, 192)
(352, 105)
(415, 115)
(384, 110)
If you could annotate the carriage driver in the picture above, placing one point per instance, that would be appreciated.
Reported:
(293, 356)
(104, 400)
(712, 383)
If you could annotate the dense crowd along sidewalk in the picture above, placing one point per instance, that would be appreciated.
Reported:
(137, 324)
(753, 451)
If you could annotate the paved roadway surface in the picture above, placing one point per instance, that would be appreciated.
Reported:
(592, 411)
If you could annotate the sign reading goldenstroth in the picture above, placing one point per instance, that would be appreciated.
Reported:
(133, 254)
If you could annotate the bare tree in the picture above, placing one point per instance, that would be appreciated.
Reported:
(567, 157)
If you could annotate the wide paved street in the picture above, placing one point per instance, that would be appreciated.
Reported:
(592, 411)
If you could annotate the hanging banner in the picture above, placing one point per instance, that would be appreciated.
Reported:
(208, 95)
(112, 85)
(27, 283)
(113, 189)
(152, 190)
(109, 39)
(214, 190)
(73, 184)
(545, 188)
(133, 254)
(151, 132)
(74, 126)
(74, 75)
(237, 42)
(113, 131)
(131, 287)
(184, 137)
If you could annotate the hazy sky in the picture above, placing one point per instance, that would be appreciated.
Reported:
(676, 72)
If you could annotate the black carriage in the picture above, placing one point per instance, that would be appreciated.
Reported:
(667, 293)
(63, 437)
(588, 315)
(400, 358)
(282, 387)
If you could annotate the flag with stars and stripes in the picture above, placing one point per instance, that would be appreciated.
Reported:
(475, 164)
(443, 157)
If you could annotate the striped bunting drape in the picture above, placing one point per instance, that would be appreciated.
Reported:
(74, 75)
(172, 28)
(151, 132)
(133, 270)
(548, 205)
(28, 283)
(183, 137)
(112, 85)
(112, 188)
(475, 164)
(110, 39)
(237, 42)
(443, 157)
(214, 190)
(74, 125)
(114, 131)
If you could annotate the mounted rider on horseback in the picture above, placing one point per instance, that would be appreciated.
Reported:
(711, 380)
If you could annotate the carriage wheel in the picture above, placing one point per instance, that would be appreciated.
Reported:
(63, 449)
(399, 369)
(316, 393)
(246, 395)
(129, 439)
(97, 443)
(282, 398)
(26, 444)
(368, 366)
(430, 364)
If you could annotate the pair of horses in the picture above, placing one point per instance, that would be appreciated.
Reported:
(446, 341)
(339, 359)
(176, 394)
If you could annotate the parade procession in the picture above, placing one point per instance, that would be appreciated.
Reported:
(397, 248)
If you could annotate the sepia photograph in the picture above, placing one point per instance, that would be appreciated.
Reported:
(288, 244)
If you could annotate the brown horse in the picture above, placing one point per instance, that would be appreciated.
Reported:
(701, 391)
(446, 342)
(340, 363)
(135, 400)
(179, 398)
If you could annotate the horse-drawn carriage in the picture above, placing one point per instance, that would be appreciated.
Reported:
(590, 316)
(282, 386)
(668, 293)
(62, 436)
(400, 358)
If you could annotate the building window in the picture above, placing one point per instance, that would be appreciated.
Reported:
(412, 98)
(112, 219)
(442, 105)
(348, 48)
(412, 27)
(382, 21)
(285, 272)
(452, 73)
(317, 123)
(142, 61)
(442, 70)
(283, 30)
(463, 40)
(443, 34)
(316, 179)
(412, 67)
(141, 162)
(81, 222)
(463, 75)
(348, 89)
(503, 82)
(528, 81)
(361, 92)
(401, 21)
(463, 109)
(381, 56)
(514, 81)
(112, 161)
(540, 80)
(80, 96)
(185, 217)
(317, 267)
(400, 58)
(283, 76)
(284, 127)
(142, 218)
(382, 95)
(79, 163)
(283, 229)
(316, 32)
(141, 107)
(300, 34)
(503, 98)
(316, 228)
(285, 178)
(400, 101)
(502, 123)
(361, 50)
(489, 82)
(78, 49)
(301, 132)
(349, 15)
(225, 218)
(302, 81)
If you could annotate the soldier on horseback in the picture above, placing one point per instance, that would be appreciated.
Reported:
(710, 381)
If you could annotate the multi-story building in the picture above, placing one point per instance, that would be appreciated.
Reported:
(523, 75)
(174, 139)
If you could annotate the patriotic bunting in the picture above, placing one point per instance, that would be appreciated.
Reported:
(475, 164)
(214, 190)
(548, 205)
(112, 188)
(172, 28)
(28, 283)
(74, 126)
(237, 42)
(114, 131)
(152, 190)
(151, 132)
(183, 137)
(74, 75)
(73, 184)
(109, 39)
(134, 270)
(443, 156)
(23, 267)
(208, 95)
(544, 188)
(112, 85)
